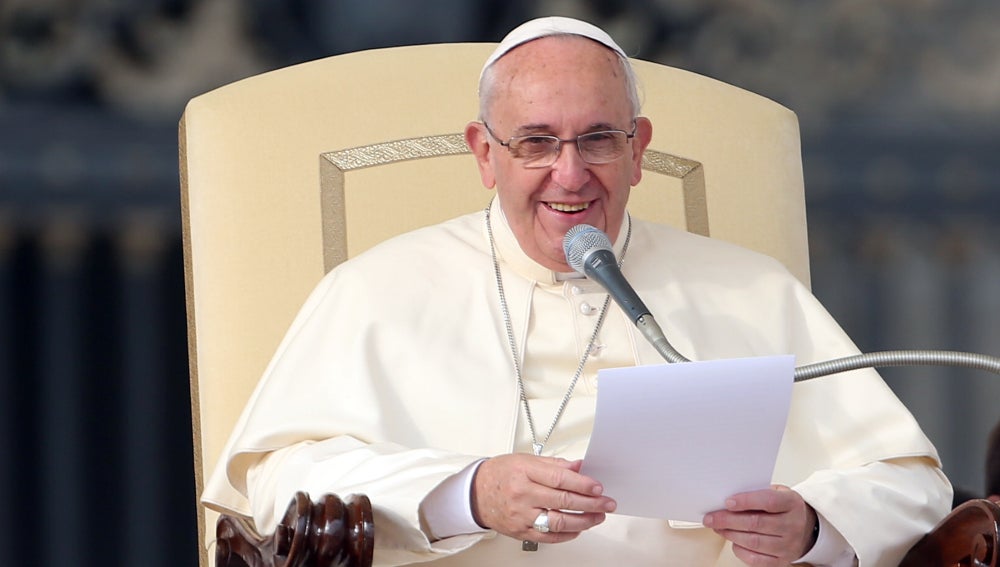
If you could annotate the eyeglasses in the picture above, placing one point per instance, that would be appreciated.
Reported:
(595, 148)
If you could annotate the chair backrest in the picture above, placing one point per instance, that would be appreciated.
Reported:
(285, 174)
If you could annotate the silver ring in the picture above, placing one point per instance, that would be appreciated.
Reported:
(542, 522)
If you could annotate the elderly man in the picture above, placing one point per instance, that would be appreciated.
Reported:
(466, 432)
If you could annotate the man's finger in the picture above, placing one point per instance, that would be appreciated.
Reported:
(770, 500)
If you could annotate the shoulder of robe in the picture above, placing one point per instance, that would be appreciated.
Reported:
(423, 249)
(674, 249)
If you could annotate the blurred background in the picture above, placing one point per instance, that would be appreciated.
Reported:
(899, 105)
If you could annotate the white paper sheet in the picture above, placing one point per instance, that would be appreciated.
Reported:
(673, 441)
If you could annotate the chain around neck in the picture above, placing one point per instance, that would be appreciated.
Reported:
(536, 445)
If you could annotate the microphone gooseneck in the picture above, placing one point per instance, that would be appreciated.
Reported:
(880, 359)
(588, 251)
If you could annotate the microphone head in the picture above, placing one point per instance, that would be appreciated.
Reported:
(580, 241)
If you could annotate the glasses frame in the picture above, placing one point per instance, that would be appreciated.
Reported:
(559, 144)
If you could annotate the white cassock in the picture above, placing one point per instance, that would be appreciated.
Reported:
(397, 373)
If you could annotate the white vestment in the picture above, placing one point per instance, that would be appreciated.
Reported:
(398, 373)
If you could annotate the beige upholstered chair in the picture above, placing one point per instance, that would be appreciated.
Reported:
(288, 173)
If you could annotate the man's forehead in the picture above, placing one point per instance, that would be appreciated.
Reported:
(534, 84)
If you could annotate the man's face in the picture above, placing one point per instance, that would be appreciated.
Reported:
(564, 87)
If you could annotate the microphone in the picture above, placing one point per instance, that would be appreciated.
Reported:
(588, 251)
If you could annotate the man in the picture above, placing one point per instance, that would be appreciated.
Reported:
(462, 405)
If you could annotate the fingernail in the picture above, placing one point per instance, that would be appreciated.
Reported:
(707, 522)
(730, 503)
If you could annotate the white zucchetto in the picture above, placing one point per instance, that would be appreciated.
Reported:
(551, 25)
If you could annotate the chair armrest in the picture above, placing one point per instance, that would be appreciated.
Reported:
(328, 533)
(965, 537)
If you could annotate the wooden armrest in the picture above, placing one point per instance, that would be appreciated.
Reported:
(965, 537)
(341, 533)
(328, 533)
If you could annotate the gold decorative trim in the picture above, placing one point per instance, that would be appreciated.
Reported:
(667, 164)
(398, 150)
(333, 166)
(692, 176)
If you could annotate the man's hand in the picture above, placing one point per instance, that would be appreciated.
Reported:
(767, 527)
(510, 491)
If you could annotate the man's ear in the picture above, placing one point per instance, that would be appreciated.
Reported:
(478, 141)
(643, 134)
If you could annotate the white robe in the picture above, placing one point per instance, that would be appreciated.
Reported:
(397, 373)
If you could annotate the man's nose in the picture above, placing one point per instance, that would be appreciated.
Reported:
(569, 169)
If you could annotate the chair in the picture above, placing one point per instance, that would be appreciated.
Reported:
(288, 173)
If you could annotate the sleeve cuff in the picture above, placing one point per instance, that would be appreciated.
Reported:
(447, 509)
(830, 548)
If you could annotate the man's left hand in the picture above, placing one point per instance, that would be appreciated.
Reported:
(768, 527)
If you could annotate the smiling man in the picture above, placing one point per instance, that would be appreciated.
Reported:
(574, 140)
(466, 432)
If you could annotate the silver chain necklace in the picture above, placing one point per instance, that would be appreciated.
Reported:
(536, 445)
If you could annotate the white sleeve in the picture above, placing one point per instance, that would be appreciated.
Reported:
(880, 509)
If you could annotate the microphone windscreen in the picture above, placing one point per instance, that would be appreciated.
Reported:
(581, 240)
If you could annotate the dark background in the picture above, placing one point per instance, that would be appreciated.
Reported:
(899, 104)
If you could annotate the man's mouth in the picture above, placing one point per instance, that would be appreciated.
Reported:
(568, 207)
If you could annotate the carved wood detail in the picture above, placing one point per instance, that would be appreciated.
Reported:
(328, 533)
(967, 537)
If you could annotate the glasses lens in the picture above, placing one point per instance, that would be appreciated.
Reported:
(535, 151)
(602, 147)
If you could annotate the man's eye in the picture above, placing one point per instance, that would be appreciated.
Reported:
(536, 141)
(534, 144)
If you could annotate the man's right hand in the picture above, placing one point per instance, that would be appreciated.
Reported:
(510, 491)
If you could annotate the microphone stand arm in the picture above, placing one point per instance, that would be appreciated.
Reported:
(899, 358)
(651, 330)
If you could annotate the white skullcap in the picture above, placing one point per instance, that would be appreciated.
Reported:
(552, 25)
